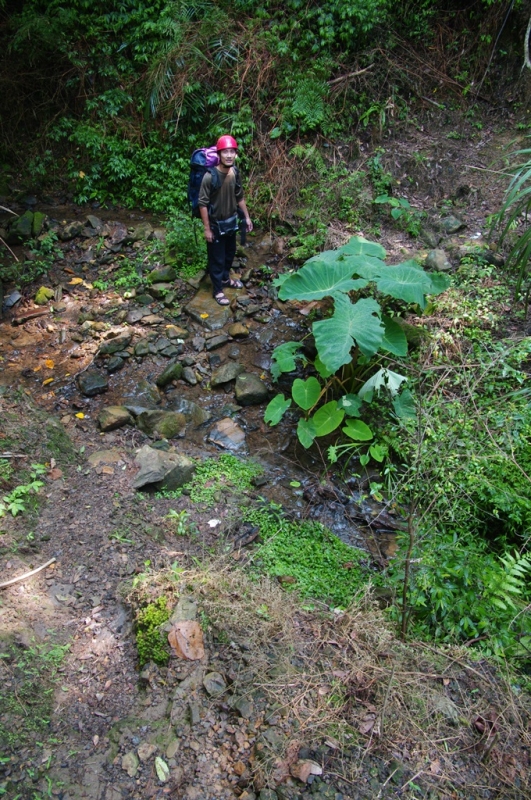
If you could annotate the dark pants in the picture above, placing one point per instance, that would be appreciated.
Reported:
(221, 254)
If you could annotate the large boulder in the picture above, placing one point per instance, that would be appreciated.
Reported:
(167, 424)
(250, 390)
(162, 470)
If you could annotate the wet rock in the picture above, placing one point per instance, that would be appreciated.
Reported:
(130, 764)
(194, 413)
(162, 275)
(204, 310)
(114, 364)
(160, 290)
(152, 319)
(214, 684)
(70, 230)
(250, 390)
(268, 794)
(452, 224)
(216, 341)
(142, 348)
(136, 315)
(170, 470)
(438, 260)
(172, 373)
(21, 228)
(114, 417)
(146, 395)
(91, 383)
(225, 373)
(169, 299)
(172, 351)
(167, 424)
(198, 343)
(115, 345)
(176, 332)
(44, 295)
(95, 223)
(238, 331)
(189, 376)
(227, 434)
(142, 231)
(144, 299)
(37, 224)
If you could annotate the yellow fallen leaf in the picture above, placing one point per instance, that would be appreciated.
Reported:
(81, 174)
(38, 369)
(47, 381)
(75, 281)
(80, 415)
(87, 285)
(203, 316)
(49, 363)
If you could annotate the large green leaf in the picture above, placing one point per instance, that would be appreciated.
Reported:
(358, 246)
(439, 282)
(404, 405)
(283, 358)
(306, 393)
(318, 279)
(306, 432)
(352, 324)
(351, 404)
(327, 418)
(276, 409)
(394, 340)
(405, 282)
(358, 430)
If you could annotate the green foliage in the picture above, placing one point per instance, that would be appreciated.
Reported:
(407, 218)
(355, 331)
(321, 566)
(28, 679)
(180, 524)
(16, 502)
(461, 591)
(184, 246)
(216, 477)
(515, 209)
(151, 642)
(44, 251)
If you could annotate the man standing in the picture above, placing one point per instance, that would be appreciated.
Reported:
(220, 197)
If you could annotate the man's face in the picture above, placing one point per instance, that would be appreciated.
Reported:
(227, 157)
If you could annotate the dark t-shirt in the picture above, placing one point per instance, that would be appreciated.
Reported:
(224, 203)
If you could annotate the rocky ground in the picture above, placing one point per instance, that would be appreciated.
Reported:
(117, 392)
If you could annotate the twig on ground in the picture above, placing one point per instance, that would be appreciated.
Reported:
(26, 574)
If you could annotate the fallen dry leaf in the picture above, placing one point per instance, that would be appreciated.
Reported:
(55, 473)
(186, 640)
(304, 768)
(49, 363)
(75, 281)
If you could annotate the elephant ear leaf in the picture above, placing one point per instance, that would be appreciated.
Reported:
(306, 393)
(320, 278)
(358, 246)
(276, 409)
(406, 282)
(394, 340)
(351, 324)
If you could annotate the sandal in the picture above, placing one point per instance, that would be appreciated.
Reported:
(233, 283)
(221, 300)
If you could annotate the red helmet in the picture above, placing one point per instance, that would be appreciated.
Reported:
(226, 143)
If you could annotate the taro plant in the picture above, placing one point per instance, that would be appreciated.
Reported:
(346, 341)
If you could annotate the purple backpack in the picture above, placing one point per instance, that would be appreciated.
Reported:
(202, 161)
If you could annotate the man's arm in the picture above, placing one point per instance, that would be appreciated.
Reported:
(248, 222)
(209, 235)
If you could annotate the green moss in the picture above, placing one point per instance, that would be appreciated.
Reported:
(319, 564)
(218, 476)
(151, 642)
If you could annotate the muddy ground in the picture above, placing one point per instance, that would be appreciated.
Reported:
(311, 704)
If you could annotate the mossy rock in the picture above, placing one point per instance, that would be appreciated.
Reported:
(43, 296)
